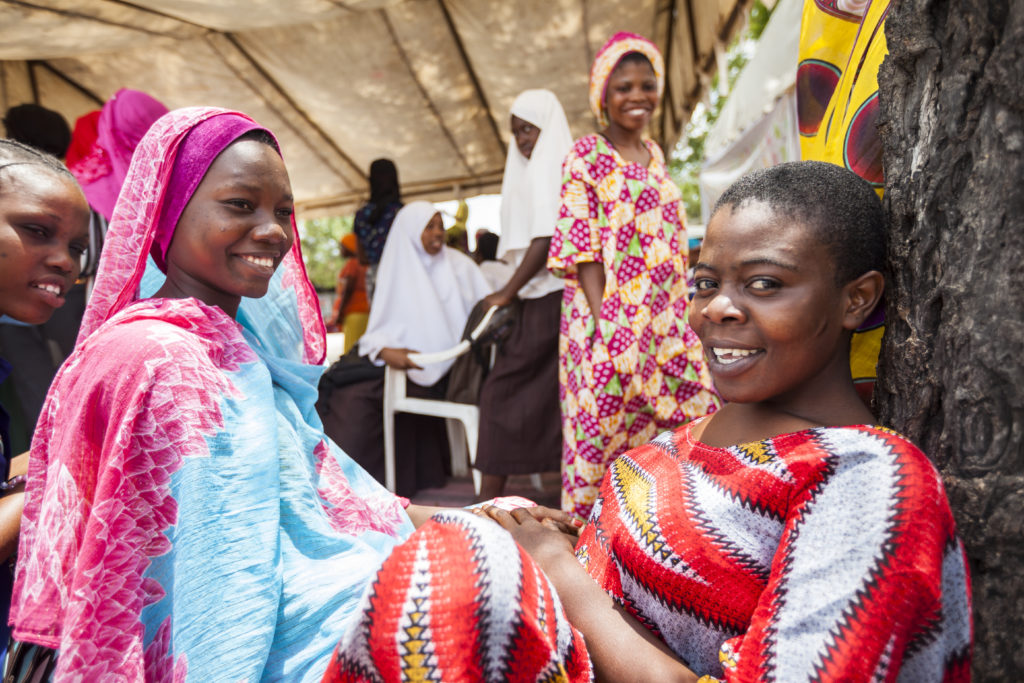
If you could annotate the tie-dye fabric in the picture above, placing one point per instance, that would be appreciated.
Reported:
(185, 516)
(823, 555)
(637, 369)
(460, 602)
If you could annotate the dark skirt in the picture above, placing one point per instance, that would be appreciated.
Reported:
(520, 419)
(353, 417)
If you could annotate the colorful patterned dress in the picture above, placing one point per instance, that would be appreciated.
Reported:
(827, 554)
(641, 370)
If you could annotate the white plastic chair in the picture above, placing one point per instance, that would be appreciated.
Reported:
(462, 419)
(335, 345)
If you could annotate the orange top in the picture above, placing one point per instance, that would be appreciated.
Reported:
(355, 273)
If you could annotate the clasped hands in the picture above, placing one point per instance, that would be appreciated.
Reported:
(548, 535)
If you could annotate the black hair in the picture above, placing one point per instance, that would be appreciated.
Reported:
(14, 153)
(384, 188)
(260, 135)
(837, 204)
(487, 246)
(633, 58)
(38, 127)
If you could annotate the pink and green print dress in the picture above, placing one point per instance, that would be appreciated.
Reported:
(638, 368)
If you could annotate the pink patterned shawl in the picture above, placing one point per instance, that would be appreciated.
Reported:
(185, 513)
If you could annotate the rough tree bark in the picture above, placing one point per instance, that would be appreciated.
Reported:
(951, 374)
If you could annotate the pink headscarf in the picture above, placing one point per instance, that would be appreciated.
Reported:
(608, 57)
(122, 122)
(168, 165)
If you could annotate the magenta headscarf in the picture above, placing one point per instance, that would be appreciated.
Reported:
(122, 122)
(166, 169)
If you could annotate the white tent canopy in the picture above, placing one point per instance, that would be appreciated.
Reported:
(427, 83)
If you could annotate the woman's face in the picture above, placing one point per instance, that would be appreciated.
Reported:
(236, 228)
(432, 237)
(525, 134)
(631, 96)
(767, 308)
(44, 230)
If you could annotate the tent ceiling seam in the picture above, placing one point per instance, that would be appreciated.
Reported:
(67, 79)
(296, 110)
(423, 91)
(695, 51)
(473, 77)
(410, 190)
(87, 17)
(585, 20)
(343, 5)
(158, 13)
(33, 84)
(667, 105)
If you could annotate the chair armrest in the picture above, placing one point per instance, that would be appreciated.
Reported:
(439, 356)
(482, 325)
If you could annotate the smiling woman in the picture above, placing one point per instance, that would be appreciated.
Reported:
(44, 222)
(629, 366)
(43, 234)
(179, 447)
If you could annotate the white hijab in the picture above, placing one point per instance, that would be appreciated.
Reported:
(531, 188)
(420, 302)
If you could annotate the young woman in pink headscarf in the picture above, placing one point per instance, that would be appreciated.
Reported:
(629, 367)
(186, 517)
(185, 514)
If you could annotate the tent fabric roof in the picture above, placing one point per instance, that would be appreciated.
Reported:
(427, 83)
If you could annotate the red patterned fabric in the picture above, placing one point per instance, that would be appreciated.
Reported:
(460, 601)
(828, 554)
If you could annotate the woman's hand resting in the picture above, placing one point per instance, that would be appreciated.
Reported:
(398, 358)
(549, 536)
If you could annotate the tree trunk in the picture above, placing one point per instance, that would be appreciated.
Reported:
(951, 376)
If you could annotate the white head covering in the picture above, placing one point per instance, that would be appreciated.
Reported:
(531, 188)
(420, 302)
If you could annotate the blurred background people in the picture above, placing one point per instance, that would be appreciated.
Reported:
(38, 127)
(103, 145)
(520, 431)
(351, 305)
(496, 272)
(373, 219)
(424, 294)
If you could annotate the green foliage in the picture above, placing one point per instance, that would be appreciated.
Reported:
(686, 158)
(320, 249)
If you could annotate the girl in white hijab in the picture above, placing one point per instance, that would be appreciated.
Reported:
(520, 431)
(423, 296)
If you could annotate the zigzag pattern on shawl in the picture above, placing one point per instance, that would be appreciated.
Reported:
(813, 663)
(459, 601)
